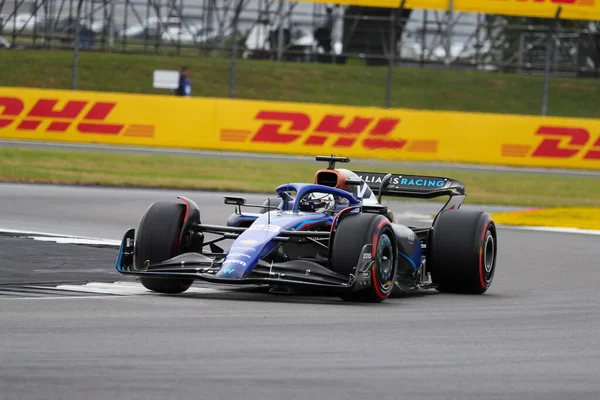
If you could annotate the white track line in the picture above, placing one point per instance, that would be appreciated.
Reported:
(427, 218)
(46, 298)
(62, 238)
(68, 239)
(103, 290)
(120, 289)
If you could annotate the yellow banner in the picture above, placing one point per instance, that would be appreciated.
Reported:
(101, 117)
(408, 134)
(571, 9)
(429, 4)
(298, 128)
(366, 3)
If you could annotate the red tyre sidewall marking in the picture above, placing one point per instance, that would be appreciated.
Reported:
(374, 256)
(338, 215)
(481, 254)
(187, 210)
(379, 294)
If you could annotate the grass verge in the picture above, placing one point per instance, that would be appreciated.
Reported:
(185, 172)
(358, 85)
(573, 217)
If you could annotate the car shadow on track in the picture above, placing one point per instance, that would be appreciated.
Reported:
(302, 297)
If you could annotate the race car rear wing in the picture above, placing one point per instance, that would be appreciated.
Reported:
(411, 185)
(415, 186)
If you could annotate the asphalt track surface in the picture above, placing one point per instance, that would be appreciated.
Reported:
(534, 335)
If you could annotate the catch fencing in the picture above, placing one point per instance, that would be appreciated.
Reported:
(424, 33)
(483, 35)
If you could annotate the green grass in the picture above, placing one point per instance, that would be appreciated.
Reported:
(118, 169)
(332, 84)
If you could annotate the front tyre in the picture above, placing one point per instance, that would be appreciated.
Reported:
(156, 241)
(352, 234)
(463, 251)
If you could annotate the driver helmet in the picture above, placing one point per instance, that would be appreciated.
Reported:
(318, 202)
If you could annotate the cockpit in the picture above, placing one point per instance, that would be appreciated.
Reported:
(345, 180)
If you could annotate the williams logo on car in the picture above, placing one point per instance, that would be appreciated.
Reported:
(243, 248)
(239, 255)
(243, 264)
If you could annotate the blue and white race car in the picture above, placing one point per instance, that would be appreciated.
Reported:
(333, 234)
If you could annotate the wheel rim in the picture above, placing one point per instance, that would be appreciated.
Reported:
(489, 256)
(385, 263)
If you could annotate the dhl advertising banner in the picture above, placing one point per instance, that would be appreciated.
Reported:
(108, 118)
(407, 134)
(298, 128)
(571, 9)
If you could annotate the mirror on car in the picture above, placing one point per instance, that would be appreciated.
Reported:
(236, 201)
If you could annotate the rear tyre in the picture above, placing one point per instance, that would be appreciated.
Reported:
(462, 252)
(157, 240)
(352, 234)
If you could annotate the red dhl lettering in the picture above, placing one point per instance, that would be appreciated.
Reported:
(560, 142)
(594, 153)
(288, 127)
(58, 116)
(272, 133)
(551, 146)
(11, 107)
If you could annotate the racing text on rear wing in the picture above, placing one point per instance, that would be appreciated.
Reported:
(412, 185)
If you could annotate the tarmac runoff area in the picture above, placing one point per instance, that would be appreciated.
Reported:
(73, 328)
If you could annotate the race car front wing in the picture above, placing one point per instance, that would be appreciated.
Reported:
(205, 266)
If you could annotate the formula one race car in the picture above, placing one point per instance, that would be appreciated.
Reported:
(333, 234)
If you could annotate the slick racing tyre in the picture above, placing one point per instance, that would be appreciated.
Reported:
(462, 252)
(352, 234)
(156, 241)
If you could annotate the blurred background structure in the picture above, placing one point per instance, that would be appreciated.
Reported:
(312, 32)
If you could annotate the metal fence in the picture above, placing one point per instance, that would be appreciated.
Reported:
(309, 34)
(305, 32)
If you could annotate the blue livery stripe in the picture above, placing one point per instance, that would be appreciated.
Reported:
(310, 222)
(409, 259)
